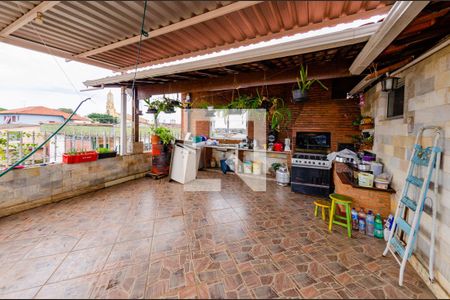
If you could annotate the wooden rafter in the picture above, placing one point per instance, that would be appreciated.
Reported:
(27, 18)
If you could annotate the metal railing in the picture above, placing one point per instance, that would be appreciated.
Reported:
(15, 144)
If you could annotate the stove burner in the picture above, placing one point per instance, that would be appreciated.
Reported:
(312, 160)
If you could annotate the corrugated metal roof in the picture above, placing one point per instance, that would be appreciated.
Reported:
(12, 10)
(76, 27)
(257, 21)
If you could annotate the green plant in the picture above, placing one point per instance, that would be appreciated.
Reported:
(357, 121)
(279, 115)
(164, 133)
(304, 84)
(104, 150)
(103, 118)
(276, 166)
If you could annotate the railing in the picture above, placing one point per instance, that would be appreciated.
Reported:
(15, 143)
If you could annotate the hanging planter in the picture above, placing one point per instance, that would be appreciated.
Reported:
(304, 84)
(299, 95)
(152, 110)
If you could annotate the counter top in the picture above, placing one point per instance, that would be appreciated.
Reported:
(347, 178)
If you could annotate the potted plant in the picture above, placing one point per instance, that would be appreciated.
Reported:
(153, 106)
(163, 135)
(106, 153)
(279, 115)
(162, 139)
(74, 157)
(304, 84)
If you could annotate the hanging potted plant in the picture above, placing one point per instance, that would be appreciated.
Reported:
(304, 84)
(168, 105)
(153, 106)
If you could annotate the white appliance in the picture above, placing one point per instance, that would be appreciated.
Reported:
(185, 160)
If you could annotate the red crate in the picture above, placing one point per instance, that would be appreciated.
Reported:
(80, 157)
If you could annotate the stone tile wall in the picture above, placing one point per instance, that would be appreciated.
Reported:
(27, 188)
(427, 102)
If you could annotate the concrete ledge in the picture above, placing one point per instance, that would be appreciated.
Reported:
(30, 188)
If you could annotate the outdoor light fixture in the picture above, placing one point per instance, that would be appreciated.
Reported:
(39, 18)
(389, 83)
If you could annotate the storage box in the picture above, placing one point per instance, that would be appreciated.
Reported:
(80, 157)
(365, 179)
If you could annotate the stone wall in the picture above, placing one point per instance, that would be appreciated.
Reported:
(28, 188)
(427, 102)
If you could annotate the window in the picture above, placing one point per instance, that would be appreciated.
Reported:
(229, 126)
(396, 99)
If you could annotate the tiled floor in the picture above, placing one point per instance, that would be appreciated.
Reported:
(151, 239)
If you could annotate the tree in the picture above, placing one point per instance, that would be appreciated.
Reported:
(1, 108)
(66, 110)
(103, 118)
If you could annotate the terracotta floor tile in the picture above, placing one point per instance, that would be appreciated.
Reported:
(225, 216)
(78, 288)
(169, 225)
(15, 250)
(82, 262)
(123, 283)
(135, 231)
(169, 276)
(23, 294)
(28, 273)
(99, 237)
(153, 239)
(128, 253)
(53, 245)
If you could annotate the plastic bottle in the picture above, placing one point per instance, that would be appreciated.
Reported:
(387, 226)
(354, 219)
(362, 221)
(370, 223)
(378, 227)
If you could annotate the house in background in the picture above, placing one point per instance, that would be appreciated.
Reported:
(35, 115)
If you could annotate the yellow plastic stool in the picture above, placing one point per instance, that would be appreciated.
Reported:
(323, 204)
(346, 202)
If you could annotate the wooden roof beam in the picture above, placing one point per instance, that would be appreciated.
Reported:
(245, 80)
(27, 18)
(176, 26)
(400, 15)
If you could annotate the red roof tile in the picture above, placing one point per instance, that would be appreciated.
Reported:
(42, 111)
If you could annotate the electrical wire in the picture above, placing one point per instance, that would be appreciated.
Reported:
(139, 46)
(51, 53)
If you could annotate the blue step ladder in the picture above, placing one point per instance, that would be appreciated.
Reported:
(413, 197)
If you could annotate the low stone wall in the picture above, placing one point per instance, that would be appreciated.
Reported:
(28, 188)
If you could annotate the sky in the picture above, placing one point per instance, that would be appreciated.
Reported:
(31, 78)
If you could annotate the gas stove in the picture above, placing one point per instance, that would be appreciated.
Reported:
(311, 160)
